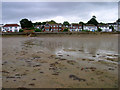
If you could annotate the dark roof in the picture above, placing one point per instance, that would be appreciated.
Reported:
(112, 23)
(89, 25)
(103, 25)
(10, 25)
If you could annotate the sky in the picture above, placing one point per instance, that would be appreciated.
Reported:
(73, 12)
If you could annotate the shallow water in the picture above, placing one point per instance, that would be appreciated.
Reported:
(97, 47)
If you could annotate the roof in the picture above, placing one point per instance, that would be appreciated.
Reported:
(10, 25)
(103, 25)
(112, 23)
(89, 25)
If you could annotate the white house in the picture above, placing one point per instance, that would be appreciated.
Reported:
(1, 25)
(114, 25)
(105, 28)
(11, 28)
(90, 27)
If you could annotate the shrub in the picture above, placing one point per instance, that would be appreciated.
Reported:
(65, 30)
(38, 30)
(21, 30)
(99, 29)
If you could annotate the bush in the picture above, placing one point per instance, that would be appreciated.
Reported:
(38, 30)
(65, 30)
(99, 30)
(21, 30)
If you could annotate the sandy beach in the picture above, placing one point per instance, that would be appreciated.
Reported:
(60, 61)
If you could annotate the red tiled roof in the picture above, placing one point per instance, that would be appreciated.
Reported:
(10, 25)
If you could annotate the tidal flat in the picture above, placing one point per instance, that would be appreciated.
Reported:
(60, 61)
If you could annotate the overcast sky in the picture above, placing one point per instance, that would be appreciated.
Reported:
(74, 12)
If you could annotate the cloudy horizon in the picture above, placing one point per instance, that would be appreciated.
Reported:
(73, 12)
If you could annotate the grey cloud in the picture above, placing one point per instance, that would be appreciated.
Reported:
(14, 11)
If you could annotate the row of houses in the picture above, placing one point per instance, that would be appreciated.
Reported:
(60, 27)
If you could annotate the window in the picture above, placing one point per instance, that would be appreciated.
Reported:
(66, 25)
(73, 26)
(47, 29)
(54, 25)
(59, 25)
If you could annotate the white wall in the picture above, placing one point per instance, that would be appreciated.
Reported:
(13, 29)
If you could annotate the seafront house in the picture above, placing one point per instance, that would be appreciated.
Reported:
(104, 27)
(90, 27)
(114, 25)
(11, 28)
(55, 27)
(47, 27)
(38, 26)
(1, 25)
(75, 27)
(118, 24)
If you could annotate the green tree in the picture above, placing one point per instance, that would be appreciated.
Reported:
(43, 23)
(93, 21)
(52, 22)
(25, 23)
(65, 23)
(99, 29)
(111, 27)
(65, 30)
(82, 23)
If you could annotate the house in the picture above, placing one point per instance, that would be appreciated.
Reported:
(11, 28)
(75, 27)
(118, 24)
(114, 25)
(56, 27)
(1, 25)
(90, 27)
(38, 26)
(104, 27)
(47, 27)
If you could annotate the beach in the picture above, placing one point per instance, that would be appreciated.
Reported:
(60, 61)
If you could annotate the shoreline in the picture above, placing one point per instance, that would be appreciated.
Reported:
(68, 33)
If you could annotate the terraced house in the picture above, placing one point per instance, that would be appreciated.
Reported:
(90, 27)
(75, 27)
(105, 27)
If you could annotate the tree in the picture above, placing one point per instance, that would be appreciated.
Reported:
(93, 21)
(65, 30)
(99, 29)
(111, 27)
(25, 23)
(82, 23)
(65, 23)
(52, 22)
(43, 23)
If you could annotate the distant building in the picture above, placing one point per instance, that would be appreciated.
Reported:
(90, 27)
(104, 27)
(1, 25)
(46, 27)
(75, 27)
(114, 25)
(11, 28)
(118, 24)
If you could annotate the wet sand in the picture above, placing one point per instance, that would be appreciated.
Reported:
(63, 61)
